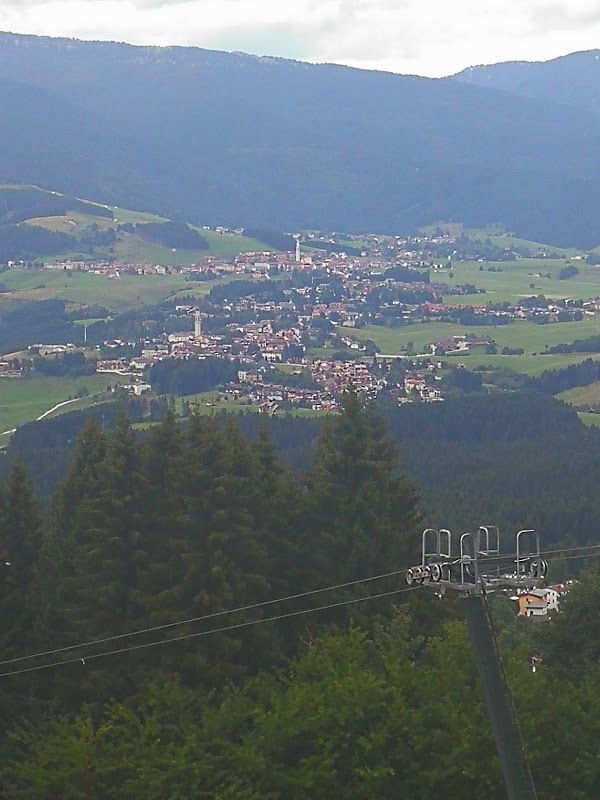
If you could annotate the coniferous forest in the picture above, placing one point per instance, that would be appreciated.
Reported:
(365, 691)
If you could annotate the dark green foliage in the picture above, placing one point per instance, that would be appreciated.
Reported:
(568, 272)
(44, 322)
(406, 275)
(554, 381)
(29, 242)
(17, 205)
(362, 515)
(20, 522)
(199, 519)
(366, 717)
(107, 545)
(589, 345)
(167, 234)
(72, 364)
(182, 376)
(272, 238)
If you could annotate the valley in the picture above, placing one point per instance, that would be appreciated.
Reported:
(403, 318)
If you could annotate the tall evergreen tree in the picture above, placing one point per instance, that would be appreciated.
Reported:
(213, 556)
(363, 512)
(165, 520)
(20, 523)
(107, 541)
(81, 477)
(57, 545)
(278, 515)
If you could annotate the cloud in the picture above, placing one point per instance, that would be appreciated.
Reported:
(426, 37)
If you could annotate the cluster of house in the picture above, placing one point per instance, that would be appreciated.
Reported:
(416, 383)
(271, 398)
(9, 370)
(540, 604)
(335, 376)
(459, 343)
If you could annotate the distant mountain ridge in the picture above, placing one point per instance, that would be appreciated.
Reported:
(220, 138)
(572, 80)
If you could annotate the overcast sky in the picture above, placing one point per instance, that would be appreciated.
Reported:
(423, 37)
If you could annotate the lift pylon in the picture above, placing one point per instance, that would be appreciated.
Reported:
(479, 567)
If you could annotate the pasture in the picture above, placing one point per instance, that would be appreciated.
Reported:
(531, 337)
(25, 399)
(130, 248)
(82, 288)
(582, 395)
(522, 278)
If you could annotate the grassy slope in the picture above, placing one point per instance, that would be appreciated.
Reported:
(23, 400)
(497, 236)
(514, 282)
(128, 291)
(582, 395)
(532, 338)
(589, 419)
(130, 248)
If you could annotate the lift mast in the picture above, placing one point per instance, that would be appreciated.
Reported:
(477, 569)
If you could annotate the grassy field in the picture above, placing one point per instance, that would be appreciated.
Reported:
(589, 419)
(582, 395)
(128, 291)
(25, 399)
(497, 236)
(514, 282)
(532, 338)
(208, 403)
(129, 248)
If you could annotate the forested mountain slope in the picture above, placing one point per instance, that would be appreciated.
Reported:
(573, 80)
(235, 139)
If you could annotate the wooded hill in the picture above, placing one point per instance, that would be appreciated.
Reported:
(368, 698)
(572, 80)
(38, 223)
(219, 138)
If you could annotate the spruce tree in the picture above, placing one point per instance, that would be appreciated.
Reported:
(80, 479)
(20, 523)
(106, 530)
(278, 515)
(213, 556)
(363, 515)
(165, 520)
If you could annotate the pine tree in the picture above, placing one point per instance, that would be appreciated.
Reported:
(20, 523)
(165, 520)
(57, 545)
(81, 477)
(107, 541)
(213, 555)
(362, 512)
(278, 515)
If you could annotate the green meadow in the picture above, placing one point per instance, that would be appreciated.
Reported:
(521, 278)
(25, 399)
(582, 395)
(131, 248)
(127, 291)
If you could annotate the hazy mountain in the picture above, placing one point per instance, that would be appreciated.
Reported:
(573, 80)
(236, 139)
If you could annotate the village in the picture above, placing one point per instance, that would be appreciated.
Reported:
(287, 321)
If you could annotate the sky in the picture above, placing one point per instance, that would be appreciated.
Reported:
(421, 37)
